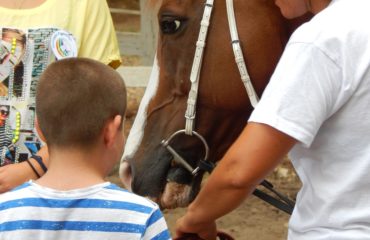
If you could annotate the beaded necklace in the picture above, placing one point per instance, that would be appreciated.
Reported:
(14, 45)
(18, 114)
(17, 127)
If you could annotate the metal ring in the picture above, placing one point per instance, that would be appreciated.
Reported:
(166, 142)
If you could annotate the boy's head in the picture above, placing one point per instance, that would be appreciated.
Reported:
(75, 99)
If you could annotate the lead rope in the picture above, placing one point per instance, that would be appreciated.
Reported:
(195, 71)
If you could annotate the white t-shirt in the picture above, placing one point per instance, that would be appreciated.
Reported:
(320, 95)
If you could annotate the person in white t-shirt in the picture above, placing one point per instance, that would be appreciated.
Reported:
(317, 108)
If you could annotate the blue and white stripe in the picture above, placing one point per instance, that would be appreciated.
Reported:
(101, 212)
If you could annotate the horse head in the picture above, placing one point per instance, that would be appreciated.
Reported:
(223, 107)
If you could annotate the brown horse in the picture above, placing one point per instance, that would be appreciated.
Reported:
(223, 107)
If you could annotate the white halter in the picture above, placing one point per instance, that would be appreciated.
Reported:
(281, 201)
(198, 59)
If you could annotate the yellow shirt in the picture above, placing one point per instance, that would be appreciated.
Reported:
(89, 21)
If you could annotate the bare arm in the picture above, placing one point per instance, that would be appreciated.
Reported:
(257, 151)
(15, 174)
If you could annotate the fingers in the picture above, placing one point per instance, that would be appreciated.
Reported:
(186, 226)
(209, 233)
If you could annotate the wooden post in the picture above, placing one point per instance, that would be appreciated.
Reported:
(149, 33)
(141, 43)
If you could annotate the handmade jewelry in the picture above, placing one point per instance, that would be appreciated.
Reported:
(17, 127)
(14, 45)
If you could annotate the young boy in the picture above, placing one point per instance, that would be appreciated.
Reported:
(80, 106)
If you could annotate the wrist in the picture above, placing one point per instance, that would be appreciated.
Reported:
(197, 217)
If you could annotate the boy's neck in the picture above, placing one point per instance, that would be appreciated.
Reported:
(73, 169)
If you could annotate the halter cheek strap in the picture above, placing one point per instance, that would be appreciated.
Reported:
(195, 71)
(239, 58)
(198, 59)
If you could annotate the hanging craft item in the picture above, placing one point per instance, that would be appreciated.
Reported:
(63, 45)
(14, 45)
(17, 127)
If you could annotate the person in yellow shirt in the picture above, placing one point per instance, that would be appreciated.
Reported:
(33, 34)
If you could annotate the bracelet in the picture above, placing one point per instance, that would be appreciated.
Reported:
(33, 168)
(40, 162)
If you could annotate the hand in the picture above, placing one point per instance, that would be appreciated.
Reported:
(13, 175)
(188, 225)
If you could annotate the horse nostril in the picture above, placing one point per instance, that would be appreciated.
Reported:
(125, 175)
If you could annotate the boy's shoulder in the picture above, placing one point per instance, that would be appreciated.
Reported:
(109, 193)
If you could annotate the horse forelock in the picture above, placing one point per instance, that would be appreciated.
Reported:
(137, 131)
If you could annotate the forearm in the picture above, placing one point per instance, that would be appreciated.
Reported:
(13, 175)
(223, 192)
(212, 204)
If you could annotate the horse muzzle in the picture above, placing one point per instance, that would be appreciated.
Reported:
(177, 191)
(125, 175)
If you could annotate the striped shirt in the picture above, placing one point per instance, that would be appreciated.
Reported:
(103, 212)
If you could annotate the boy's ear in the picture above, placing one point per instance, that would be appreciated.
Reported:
(112, 128)
(38, 129)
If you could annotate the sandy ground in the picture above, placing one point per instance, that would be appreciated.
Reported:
(254, 219)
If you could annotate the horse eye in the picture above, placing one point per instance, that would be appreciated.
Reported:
(170, 26)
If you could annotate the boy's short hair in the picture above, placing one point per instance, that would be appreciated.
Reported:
(75, 98)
